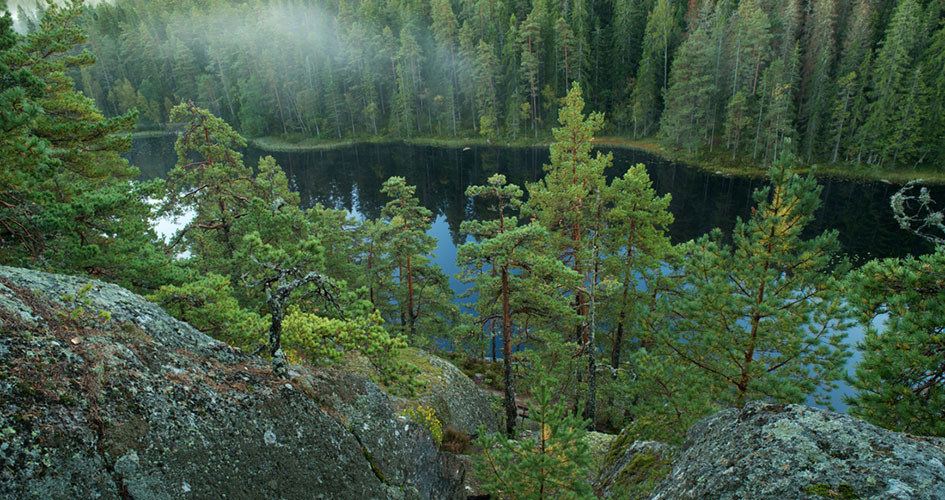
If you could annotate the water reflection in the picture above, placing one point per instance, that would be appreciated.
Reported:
(351, 178)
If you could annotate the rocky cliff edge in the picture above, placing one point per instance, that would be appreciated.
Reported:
(777, 452)
(103, 395)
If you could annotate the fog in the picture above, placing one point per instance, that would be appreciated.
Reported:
(23, 11)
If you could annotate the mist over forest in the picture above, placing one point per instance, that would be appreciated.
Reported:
(849, 81)
(579, 315)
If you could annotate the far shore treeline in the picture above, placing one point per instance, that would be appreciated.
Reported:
(849, 81)
(626, 329)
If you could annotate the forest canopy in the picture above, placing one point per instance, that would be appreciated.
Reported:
(850, 81)
(633, 331)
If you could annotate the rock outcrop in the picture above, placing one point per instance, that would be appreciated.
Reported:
(458, 401)
(103, 395)
(633, 468)
(774, 451)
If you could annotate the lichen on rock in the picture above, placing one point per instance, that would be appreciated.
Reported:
(777, 451)
(632, 469)
(459, 403)
(144, 406)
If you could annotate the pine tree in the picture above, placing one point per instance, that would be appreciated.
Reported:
(635, 243)
(553, 464)
(408, 82)
(900, 382)
(568, 203)
(530, 40)
(215, 186)
(763, 317)
(567, 47)
(445, 28)
(68, 200)
(19, 89)
(209, 305)
(409, 247)
(522, 279)
(486, 96)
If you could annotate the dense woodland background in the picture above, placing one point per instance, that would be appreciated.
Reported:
(849, 80)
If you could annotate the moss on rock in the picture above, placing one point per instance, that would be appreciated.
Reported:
(632, 469)
(458, 401)
(843, 491)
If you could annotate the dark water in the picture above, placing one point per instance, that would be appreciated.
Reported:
(351, 178)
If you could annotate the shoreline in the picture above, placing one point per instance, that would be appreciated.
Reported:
(713, 165)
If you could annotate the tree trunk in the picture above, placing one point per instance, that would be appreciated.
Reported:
(510, 407)
(275, 335)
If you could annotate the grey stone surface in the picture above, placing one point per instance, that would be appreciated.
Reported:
(458, 401)
(633, 468)
(146, 407)
(774, 451)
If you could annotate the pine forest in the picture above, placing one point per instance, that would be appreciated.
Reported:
(579, 315)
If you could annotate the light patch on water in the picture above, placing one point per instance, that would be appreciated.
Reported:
(167, 226)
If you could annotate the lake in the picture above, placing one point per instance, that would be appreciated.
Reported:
(351, 178)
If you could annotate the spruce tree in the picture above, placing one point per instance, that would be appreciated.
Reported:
(653, 76)
(892, 90)
(686, 120)
(816, 89)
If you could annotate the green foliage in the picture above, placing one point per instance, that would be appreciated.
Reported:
(515, 279)
(894, 93)
(651, 81)
(208, 304)
(250, 228)
(215, 186)
(567, 199)
(899, 381)
(552, 464)
(423, 288)
(486, 68)
(668, 396)
(81, 311)
(320, 340)
(762, 317)
(426, 417)
(68, 201)
(692, 88)
(635, 245)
